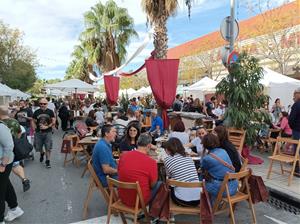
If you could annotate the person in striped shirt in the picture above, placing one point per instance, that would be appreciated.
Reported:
(181, 168)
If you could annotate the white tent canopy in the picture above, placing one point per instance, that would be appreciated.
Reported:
(203, 85)
(143, 91)
(13, 93)
(129, 91)
(200, 88)
(279, 86)
(72, 85)
(5, 90)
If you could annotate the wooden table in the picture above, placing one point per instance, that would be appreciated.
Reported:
(88, 141)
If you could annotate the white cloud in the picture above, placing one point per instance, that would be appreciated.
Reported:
(52, 27)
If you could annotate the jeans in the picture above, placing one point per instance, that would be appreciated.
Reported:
(7, 192)
(154, 190)
(296, 135)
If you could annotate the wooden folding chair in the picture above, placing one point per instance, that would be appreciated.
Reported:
(115, 204)
(95, 183)
(243, 194)
(269, 139)
(237, 138)
(147, 123)
(75, 149)
(176, 209)
(284, 158)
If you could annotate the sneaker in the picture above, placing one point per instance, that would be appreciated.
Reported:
(48, 164)
(42, 157)
(26, 184)
(12, 214)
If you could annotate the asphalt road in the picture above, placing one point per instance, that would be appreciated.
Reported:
(57, 195)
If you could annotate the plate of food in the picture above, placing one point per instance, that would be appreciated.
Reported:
(94, 138)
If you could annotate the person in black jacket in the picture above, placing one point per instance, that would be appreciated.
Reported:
(232, 152)
(294, 121)
(63, 114)
(294, 118)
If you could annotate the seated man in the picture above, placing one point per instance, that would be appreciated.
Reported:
(157, 126)
(138, 166)
(103, 161)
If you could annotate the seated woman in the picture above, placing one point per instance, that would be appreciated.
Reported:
(129, 141)
(232, 152)
(215, 165)
(283, 124)
(90, 121)
(179, 132)
(181, 168)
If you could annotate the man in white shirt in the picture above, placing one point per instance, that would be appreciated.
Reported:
(99, 116)
(51, 105)
(88, 107)
(197, 142)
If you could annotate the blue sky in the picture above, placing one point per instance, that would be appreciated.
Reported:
(51, 27)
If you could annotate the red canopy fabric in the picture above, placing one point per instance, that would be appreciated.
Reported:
(111, 88)
(163, 75)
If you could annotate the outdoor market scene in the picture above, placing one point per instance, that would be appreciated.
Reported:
(149, 111)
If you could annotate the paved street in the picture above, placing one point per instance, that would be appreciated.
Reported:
(57, 195)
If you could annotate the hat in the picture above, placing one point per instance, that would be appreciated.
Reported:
(154, 111)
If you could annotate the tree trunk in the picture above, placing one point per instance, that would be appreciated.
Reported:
(161, 37)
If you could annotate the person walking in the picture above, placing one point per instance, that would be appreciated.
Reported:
(7, 191)
(43, 121)
(16, 131)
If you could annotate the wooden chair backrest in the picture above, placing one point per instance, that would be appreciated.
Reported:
(280, 140)
(147, 120)
(241, 176)
(172, 182)
(97, 181)
(112, 183)
(237, 138)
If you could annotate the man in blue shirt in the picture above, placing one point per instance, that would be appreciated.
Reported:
(157, 125)
(103, 161)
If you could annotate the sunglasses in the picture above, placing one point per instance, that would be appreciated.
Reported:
(43, 103)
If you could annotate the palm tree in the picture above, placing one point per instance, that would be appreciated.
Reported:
(158, 12)
(78, 67)
(108, 31)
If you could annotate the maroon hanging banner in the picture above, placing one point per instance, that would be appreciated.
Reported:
(111, 88)
(163, 75)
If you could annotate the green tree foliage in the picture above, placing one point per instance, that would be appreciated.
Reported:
(245, 96)
(108, 29)
(17, 62)
(20, 75)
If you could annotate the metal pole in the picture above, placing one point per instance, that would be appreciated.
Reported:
(232, 8)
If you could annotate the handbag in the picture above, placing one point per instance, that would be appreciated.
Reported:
(22, 147)
(258, 189)
(206, 213)
(160, 204)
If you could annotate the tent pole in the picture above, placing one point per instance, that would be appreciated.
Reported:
(75, 102)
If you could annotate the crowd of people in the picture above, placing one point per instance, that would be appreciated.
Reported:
(217, 155)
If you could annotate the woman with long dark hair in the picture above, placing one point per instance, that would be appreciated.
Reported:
(181, 168)
(130, 139)
(225, 144)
